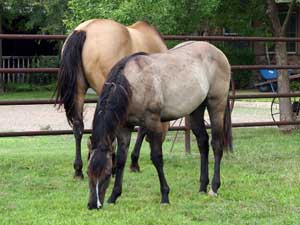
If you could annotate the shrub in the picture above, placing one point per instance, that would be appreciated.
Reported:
(239, 55)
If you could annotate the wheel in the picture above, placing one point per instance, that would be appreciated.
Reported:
(275, 113)
(264, 88)
(275, 110)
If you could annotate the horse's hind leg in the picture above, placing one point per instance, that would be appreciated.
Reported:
(134, 167)
(155, 140)
(216, 110)
(78, 128)
(199, 130)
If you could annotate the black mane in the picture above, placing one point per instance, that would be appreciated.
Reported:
(112, 106)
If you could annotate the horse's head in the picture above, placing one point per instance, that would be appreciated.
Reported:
(100, 165)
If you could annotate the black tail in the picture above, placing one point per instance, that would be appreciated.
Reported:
(227, 128)
(70, 68)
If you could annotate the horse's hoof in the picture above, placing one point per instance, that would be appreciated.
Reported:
(165, 201)
(212, 193)
(111, 201)
(93, 206)
(165, 204)
(202, 192)
(78, 175)
(134, 169)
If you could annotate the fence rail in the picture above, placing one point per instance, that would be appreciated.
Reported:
(166, 37)
(233, 67)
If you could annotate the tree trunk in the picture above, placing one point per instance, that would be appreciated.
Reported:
(283, 84)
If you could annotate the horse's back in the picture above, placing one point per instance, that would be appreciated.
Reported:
(164, 82)
(146, 38)
(189, 72)
(206, 53)
(108, 41)
(211, 58)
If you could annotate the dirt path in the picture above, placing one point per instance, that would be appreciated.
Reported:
(46, 117)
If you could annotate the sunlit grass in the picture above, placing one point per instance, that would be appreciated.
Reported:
(260, 184)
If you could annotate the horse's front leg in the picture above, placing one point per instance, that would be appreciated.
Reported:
(155, 140)
(134, 167)
(123, 138)
(78, 128)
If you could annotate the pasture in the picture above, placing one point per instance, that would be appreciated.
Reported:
(261, 183)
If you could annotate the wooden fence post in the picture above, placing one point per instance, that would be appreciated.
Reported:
(187, 134)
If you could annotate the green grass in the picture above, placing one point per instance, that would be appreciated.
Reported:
(26, 95)
(260, 184)
(31, 95)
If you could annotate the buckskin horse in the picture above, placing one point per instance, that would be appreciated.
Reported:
(88, 54)
(148, 89)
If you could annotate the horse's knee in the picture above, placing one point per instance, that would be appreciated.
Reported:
(217, 145)
(157, 160)
(120, 160)
(202, 143)
(78, 127)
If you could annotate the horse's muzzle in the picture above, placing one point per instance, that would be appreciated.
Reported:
(93, 206)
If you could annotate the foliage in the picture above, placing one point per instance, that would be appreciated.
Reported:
(237, 54)
(260, 184)
(37, 81)
(38, 16)
(44, 62)
(169, 16)
(240, 16)
(295, 85)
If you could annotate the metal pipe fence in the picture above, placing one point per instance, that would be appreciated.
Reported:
(185, 128)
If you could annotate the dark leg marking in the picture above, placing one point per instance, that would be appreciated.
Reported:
(78, 127)
(199, 130)
(157, 160)
(123, 138)
(134, 167)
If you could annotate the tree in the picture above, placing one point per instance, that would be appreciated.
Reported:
(267, 14)
(39, 16)
(279, 30)
(169, 16)
(238, 16)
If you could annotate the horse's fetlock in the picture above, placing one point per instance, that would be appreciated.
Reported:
(165, 190)
(204, 181)
(78, 165)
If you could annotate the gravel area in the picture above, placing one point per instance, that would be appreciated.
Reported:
(46, 117)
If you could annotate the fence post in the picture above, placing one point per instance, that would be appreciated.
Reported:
(187, 134)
